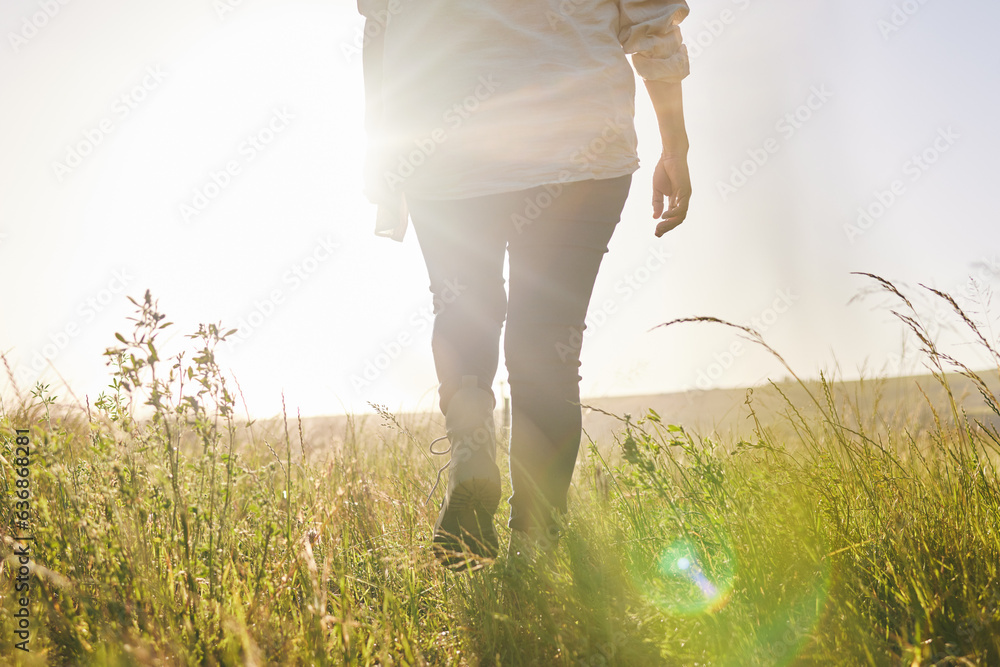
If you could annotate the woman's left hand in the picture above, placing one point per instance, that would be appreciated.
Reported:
(671, 181)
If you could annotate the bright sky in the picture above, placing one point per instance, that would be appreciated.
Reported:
(210, 151)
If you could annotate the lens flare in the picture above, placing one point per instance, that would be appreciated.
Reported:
(689, 582)
(692, 577)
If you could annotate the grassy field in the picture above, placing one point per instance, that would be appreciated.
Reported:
(168, 531)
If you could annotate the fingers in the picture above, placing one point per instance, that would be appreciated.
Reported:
(674, 216)
(668, 223)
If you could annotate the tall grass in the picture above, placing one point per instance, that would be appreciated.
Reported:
(168, 531)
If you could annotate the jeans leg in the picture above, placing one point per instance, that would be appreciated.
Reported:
(463, 242)
(554, 261)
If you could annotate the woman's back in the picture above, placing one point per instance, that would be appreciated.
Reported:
(481, 98)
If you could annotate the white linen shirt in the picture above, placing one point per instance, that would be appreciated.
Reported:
(479, 97)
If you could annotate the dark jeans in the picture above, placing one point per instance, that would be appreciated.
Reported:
(556, 236)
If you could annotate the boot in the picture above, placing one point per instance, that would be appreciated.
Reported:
(464, 532)
(536, 545)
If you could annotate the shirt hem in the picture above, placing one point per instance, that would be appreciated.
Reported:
(527, 184)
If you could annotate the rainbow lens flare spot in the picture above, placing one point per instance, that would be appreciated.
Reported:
(688, 582)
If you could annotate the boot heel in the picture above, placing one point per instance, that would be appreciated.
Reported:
(464, 533)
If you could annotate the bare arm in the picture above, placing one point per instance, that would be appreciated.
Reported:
(671, 180)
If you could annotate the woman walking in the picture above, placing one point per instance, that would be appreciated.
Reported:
(507, 128)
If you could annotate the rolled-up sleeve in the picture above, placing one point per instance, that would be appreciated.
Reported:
(649, 31)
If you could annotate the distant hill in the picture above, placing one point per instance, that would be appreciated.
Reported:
(725, 413)
(719, 413)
